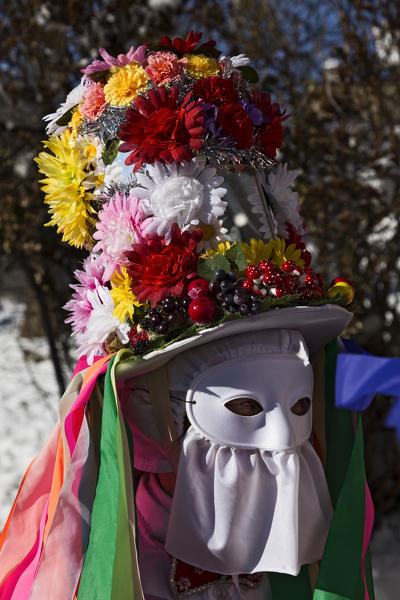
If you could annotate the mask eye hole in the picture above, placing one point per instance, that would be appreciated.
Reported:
(301, 406)
(246, 407)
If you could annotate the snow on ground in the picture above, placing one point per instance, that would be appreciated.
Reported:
(29, 409)
(28, 401)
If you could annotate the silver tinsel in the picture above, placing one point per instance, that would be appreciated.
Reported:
(106, 127)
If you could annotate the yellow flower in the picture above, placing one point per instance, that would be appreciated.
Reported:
(64, 188)
(221, 248)
(125, 84)
(199, 65)
(281, 253)
(256, 251)
(124, 299)
(75, 121)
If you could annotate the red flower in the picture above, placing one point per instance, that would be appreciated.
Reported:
(160, 129)
(215, 90)
(270, 137)
(186, 46)
(158, 270)
(236, 123)
(270, 133)
(269, 110)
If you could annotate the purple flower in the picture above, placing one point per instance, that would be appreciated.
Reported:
(254, 113)
(88, 279)
(109, 61)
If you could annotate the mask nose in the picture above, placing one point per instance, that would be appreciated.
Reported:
(278, 430)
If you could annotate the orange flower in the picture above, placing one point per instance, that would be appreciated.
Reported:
(164, 67)
(94, 102)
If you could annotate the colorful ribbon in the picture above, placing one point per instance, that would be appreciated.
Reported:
(360, 375)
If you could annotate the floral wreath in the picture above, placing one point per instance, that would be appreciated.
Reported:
(133, 172)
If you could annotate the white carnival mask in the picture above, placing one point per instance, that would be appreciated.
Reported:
(251, 494)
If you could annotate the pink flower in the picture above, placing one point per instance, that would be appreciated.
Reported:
(89, 278)
(164, 67)
(94, 102)
(109, 61)
(119, 226)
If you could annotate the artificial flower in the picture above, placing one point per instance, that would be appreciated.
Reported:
(270, 132)
(199, 65)
(256, 251)
(285, 201)
(118, 227)
(215, 90)
(222, 248)
(281, 252)
(125, 84)
(185, 194)
(183, 46)
(164, 67)
(101, 325)
(121, 293)
(236, 124)
(270, 138)
(283, 204)
(74, 122)
(109, 61)
(66, 189)
(160, 128)
(213, 234)
(72, 100)
(94, 102)
(158, 270)
(88, 278)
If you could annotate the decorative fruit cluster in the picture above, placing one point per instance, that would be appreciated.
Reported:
(170, 313)
(226, 292)
(289, 279)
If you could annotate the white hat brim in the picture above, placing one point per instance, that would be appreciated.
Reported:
(317, 324)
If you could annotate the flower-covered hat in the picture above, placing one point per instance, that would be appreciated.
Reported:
(162, 165)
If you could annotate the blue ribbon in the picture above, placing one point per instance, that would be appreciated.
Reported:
(360, 375)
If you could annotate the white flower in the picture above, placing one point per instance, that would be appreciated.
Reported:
(73, 98)
(239, 61)
(101, 324)
(236, 61)
(213, 233)
(188, 194)
(283, 201)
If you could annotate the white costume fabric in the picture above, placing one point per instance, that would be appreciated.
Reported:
(251, 495)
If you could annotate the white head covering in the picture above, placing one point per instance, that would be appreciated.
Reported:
(251, 494)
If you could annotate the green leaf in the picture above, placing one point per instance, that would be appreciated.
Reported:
(110, 151)
(236, 257)
(99, 75)
(207, 267)
(66, 117)
(249, 73)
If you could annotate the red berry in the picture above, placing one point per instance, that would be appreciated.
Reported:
(253, 272)
(269, 279)
(293, 282)
(248, 284)
(288, 266)
(281, 291)
(306, 293)
(280, 278)
(199, 288)
(310, 279)
(266, 266)
(202, 310)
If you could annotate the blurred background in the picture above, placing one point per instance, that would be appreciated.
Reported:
(334, 64)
